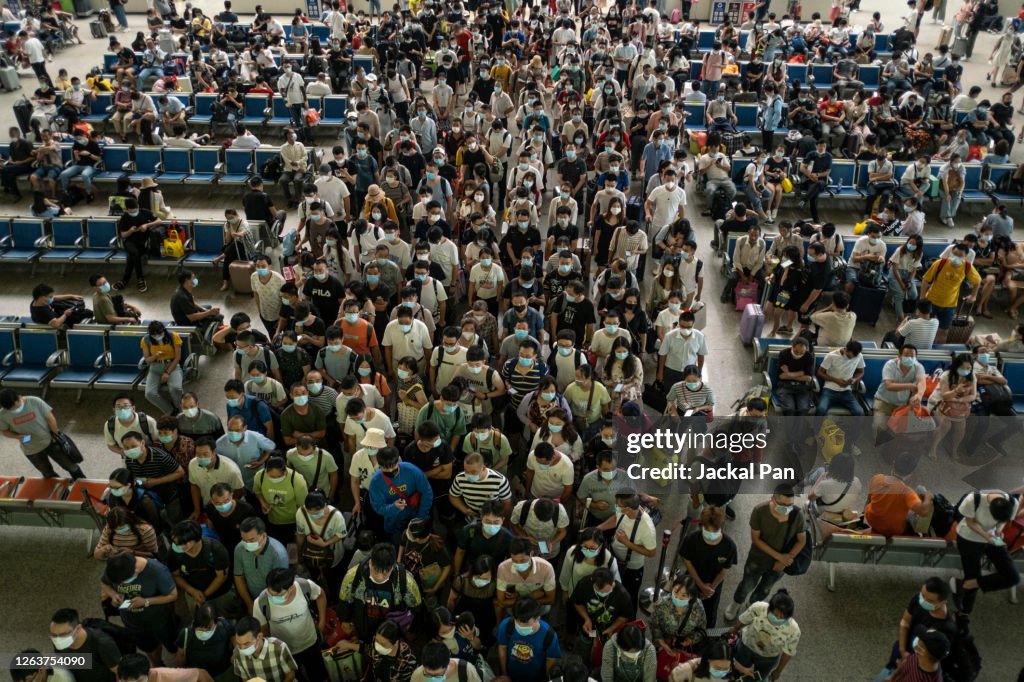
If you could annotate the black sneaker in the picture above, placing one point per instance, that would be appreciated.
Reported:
(142, 286)
(729, 513)
(120, 285)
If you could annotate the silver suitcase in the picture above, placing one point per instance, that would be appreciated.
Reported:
(9, 78)
(166, 42)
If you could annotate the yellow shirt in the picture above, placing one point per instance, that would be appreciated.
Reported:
(945, 279)
(164, 351)
(503, 74)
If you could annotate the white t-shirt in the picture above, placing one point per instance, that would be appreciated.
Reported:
(371, 397)
(645, 537)
(377, 420)
(550, 482)
(334, 529)
(432, 295)
(363, 467)
(486, 281)
(981, 513)
(838, 365)
(666, 205)
(293, 623)
(541, 530)
(401, 344)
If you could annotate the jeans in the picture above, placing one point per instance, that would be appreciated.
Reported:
(10, 174)
(710, 88)
(374, 7)
(122, 18)
(811, 192)
(757, 582)
(753, 199)
(42, 462)
(1005, 576)
(72, 172)
(793, 401)
(949, 207)
(762, 665)
(151, 71)
(174, 382)
(728, 185)
(830, 398)
(897, 293)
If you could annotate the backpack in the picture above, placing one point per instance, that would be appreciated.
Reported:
(124, 640)
(719, 205)
(143, 425)
(963, 664)
(944, 515)
(272, 169)
(317, 558)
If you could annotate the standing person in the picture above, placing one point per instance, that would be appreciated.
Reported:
(30, 421)
(768, 637)
(148, 590)
(980, 534)
(284, 611)
(255, 557)
(527, 646)
(133, 228)
(634, 540)
(708, 556)
(775, 541)
(200, 567)
(924, 662)
(36, 53)
(942, 283)
(69, 636)
(260, 656)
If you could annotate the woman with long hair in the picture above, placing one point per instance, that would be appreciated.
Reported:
(951, 404)
(623, 374)
(559, 431)
(124, 532)
(605, 226)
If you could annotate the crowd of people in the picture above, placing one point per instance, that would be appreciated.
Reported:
(414, 472)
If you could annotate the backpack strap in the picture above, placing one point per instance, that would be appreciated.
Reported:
(316, 474)
(463, 674)
(525, 513)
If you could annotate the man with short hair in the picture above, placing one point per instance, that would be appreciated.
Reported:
(476, 484)
(254, 558)
(260, 656)
(72, 638)
(634, 540)
(941, 285)
(840, 371)
(399, 491)
(31, 422)
(147, 592)
(138, 668)
(438, 665)
(527, 646)
(208, 468)
(284, 611)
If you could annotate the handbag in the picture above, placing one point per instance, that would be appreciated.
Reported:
(403, 619)
(412, 500)
(787, 185)
(911, 419)
(668, 660)
(67, 447)
(954, 408)
(995, 397)
(172, 245)
(654, 396)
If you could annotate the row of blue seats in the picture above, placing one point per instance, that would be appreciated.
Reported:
(93, 241)
(85, 357)
(706, 40)
(110, 59)
(259, 110)
(875, 359)
(819, 75)
(849, 179)
(180, 165)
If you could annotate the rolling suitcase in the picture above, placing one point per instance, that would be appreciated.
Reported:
(945, 35)
(9, 78)
(97, 29)
(867, 302)
(23, 114)
(635, 209)
(166, 42)
(963, 327)
(960, 47)
(751, 323)
(746, 294)
(241, 272)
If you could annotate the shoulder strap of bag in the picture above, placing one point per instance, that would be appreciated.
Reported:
(525, 513)
(316, 474)
(463, 674)
(838, 499)
(632, 535)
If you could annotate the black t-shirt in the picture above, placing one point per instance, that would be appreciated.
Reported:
(818, 275)
(571, 231)
(471, 158)
(818, 163)
(154, 581)
(603, 611)
(921, 620)
(425, 461)
(708, 560)
(227, 526)
(92, 147)
(105, 655)
(754, 70)
(519, 240)
(1002, 113)
(183, 305)
(45, 93)
(257, 206)
(556, 283)
(200, 571)
(739, 226)
(471, 540)
(776, 165)
(803, 364)
(571, 171)
(326, 295)
(21, 149)
(126, 222)
(42, 314)
(213, 655)
(314, 328)
(576, 316)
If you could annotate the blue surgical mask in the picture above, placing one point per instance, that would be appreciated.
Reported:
(984, 358)
(262, 272)
(235, 436)
(233, 402)
(775, 620)
(133, 453)
(907, 361)
(611, 328)
(524, 362)
(963, 372)
(105, 289)
(491, 529)
(548, 396)
(564, 352)
(680, 603)
(301, 400)
(124, 413)
(555, 428)
(925, 604)
(589, 553)
(224, 508)
(911, 247)
(718, 674)
(449, 409)
(119, 492)
(277, 598)
(524, 630)
(692, 385)
(711, 535)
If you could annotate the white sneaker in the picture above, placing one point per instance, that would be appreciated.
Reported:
(732, 612)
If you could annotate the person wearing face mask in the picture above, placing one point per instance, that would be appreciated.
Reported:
(200, 568)
(776, 543)
(399, 491)
(195, 422)
(69, 636)
(372, 590)
(951, 403)
(923, 660)
(125, 533)
(941, 285)
(439, 665)
(676, 617)
(283, 610)
(715, 663)
(603, 607)
(208, 468)
(156, 470)
(952, 178)
(144, 592)
(708, 557)
(768, 637)
(258, 655)
(30, 421)
(206, 643)
(534, 642)
(133, 228)
(903, 383)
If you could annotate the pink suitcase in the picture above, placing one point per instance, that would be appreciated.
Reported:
(751, 323)
(746, 293)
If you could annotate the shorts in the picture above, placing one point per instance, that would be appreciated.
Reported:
(47, 172)
(944, 316)
(851, 274)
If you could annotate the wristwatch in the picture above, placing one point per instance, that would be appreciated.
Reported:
(146, 604)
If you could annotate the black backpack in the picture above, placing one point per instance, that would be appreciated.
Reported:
(272, 169)
(963, 664)
(124, 640)
(944, 515)
(719, 204)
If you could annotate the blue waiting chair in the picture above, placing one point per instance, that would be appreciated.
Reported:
(67, 240)
(281, 116)
(124, 354)
(117, 160)
(147, 163)
(238, 167)
(262, 156)
(995, 175)
(206, 243)
(203, 114)
(36, 359)
(176, 165)
(102, 244)
(84, 360)
(98, 114)
(8, 347)
(27, 241)
(205, 166)
(333, 113)
(843, 179)
(256, 111)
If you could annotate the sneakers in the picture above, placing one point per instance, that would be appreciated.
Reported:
(732, 612)
(120, 285)
(142, 286)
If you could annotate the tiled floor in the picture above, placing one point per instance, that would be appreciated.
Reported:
(46, 570)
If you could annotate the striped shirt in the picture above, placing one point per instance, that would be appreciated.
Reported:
(522, 383)
(475, 493)
(272, 663)
(157, 465)
(685, 399)
(324, 400)
(115, 543)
